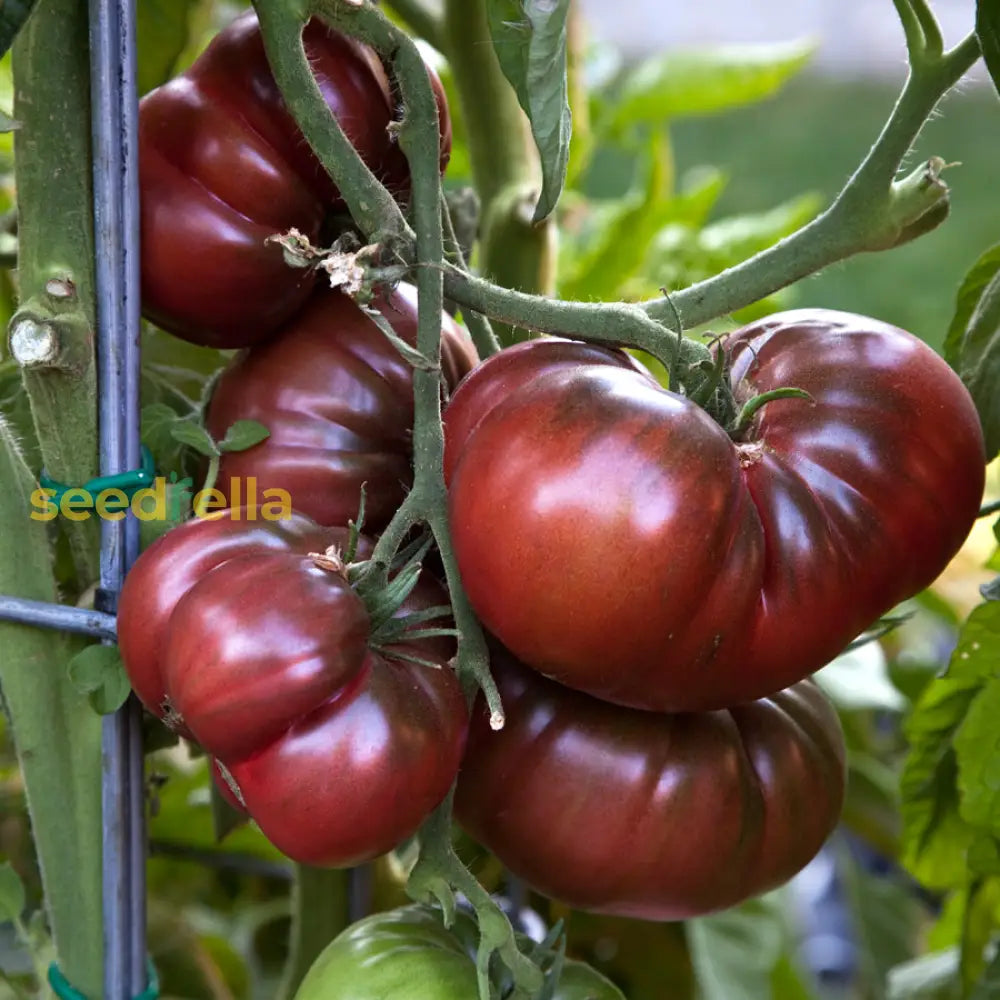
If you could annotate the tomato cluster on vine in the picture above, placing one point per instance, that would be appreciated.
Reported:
(657, 587)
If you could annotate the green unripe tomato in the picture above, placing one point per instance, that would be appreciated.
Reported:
(408, 954)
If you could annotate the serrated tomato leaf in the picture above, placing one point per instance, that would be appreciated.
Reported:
(988, 32)
(530, 38)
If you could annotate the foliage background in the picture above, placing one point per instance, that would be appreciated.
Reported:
(218, 912)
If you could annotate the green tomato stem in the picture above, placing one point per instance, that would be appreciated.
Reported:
(870, 213)
(421, 19)
(513, 252)
(320, 911)
(438, 874)
(56, 734)
(52, 333)
(427, 500)
(211, 476)
(370, 204)
(57, 737)
(479, 326)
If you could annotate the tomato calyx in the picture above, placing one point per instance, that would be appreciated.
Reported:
(755, 403)
(706, 383)
(332, 560)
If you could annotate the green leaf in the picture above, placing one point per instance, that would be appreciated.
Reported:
(162, 33)
(194, 436)
(703, 82)
(615, 242)
(12, 895)
(529, 37)
(936, 836)
(973, 285)
(13, 14)
(886, 916)
(978, 753)
(97, 672)
(243, 434)
(988, 32)
(978, 361)
(735, 953)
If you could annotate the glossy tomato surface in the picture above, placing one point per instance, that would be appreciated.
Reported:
(615, 538)
(408, 954)
(243, 638)
(650, 815)
(222, 166)
(337, 398)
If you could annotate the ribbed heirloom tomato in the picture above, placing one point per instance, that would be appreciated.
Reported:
(408, 954)
(636, 552)
(337, 398)
(222, 166)
(649, 815)
(239, 634)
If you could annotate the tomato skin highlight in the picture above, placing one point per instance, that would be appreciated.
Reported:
(234, 635)
(223, 166)
(650, 560)
(650, 815)
(337, 398)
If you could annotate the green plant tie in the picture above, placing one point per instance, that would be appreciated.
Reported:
(128, 482)
(65, 990)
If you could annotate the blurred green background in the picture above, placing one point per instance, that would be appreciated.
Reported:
(808, 138)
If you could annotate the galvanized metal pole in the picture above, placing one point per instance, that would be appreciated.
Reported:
(115, 116)
(58, 616)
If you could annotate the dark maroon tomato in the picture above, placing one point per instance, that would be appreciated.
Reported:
(174, 563)
(223, 167)
(635, 552)
(648, 815)
(337, 398)
(338, 751)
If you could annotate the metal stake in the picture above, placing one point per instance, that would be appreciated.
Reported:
(116, 232)
(58, 616)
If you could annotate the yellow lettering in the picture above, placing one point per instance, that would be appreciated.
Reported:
(206, 501)
(279, 499)
(45, 509)
(111, 504)
(75, 504)
(158, 494)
